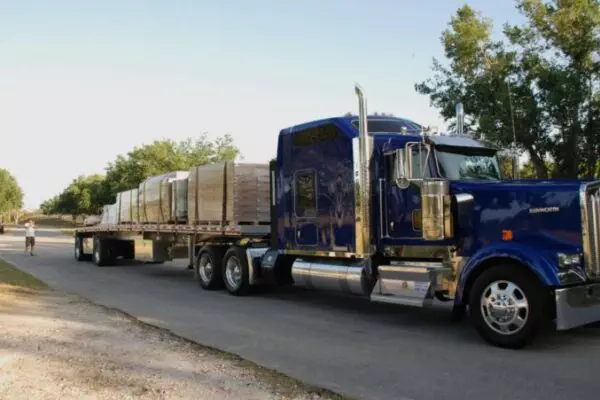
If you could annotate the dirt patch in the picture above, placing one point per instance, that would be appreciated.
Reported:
(54, 345)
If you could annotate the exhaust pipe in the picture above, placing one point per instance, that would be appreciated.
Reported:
(363, 191)
(460, 119)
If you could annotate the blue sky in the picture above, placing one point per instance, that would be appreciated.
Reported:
(83, 81)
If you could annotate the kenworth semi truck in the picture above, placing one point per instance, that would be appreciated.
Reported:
(379, 208)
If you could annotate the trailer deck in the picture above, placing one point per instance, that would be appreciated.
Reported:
(184, 229)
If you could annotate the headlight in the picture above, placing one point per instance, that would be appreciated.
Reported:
(566, 261)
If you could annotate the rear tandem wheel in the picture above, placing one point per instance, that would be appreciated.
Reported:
(207, 268)
(236, 273)
(103, 252)
(78, 250)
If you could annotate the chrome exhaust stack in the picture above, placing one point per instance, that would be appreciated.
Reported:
(362, 180)
(460, 119)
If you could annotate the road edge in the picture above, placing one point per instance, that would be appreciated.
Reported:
(288, 385)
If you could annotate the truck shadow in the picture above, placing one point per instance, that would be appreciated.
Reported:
(342, 309)
(435, 321)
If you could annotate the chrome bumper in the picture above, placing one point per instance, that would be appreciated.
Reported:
(576, 306)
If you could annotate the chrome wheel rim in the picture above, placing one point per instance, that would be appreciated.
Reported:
(504, 307)
(233, 272)
(205, 268)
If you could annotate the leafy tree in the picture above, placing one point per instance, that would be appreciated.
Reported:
(540, 85)
(50, 206)
(84, 196)
(11, 195)
(160, 157)
(87, 194)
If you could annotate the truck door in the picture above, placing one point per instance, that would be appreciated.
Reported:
(305, 207)
(402, 206)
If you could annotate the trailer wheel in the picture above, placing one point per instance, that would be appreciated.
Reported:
(208, 270)
(129, 250)
(78, 251)
(508, 306)
(102, 252)
(235, 271)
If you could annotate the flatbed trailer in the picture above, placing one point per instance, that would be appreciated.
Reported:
(157, 243)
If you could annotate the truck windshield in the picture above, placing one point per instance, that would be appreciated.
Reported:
(457, 163)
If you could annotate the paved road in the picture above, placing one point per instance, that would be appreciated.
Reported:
(348, 345)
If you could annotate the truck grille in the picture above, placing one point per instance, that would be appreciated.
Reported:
(590, 215)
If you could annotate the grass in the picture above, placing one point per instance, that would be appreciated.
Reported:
(10, 275)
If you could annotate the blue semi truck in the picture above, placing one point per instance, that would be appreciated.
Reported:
(377, 207)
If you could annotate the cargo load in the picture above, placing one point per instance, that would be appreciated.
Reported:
(178, 191)
(229, 193)
(155, 199)
(110, 214)
(105, 211)
(92, 220)
(129, 206)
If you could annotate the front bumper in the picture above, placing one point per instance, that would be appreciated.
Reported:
(577, 306)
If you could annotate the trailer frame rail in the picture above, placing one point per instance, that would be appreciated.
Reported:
(230, 230)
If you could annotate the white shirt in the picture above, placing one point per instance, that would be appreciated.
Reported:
(29, 231)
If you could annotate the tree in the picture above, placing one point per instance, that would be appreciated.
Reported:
(50, 206)
(11, 195)
(160, 157)
(540, 86)
(84, 196)
(87, 194)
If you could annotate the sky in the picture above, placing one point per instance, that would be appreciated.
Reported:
(84, 81)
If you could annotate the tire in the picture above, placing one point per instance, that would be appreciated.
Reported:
(236, 275)
(525, 297)
(102, 252)
(78, 249)
(207, 269)
(128, 250)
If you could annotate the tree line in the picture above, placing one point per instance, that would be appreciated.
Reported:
(11, 195)
(87, 194)
(537, 86)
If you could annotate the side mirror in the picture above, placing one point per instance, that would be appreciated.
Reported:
(400, 169)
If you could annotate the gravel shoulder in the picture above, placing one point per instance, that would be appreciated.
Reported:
(55, 345)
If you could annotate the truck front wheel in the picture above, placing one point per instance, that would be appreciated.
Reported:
(508, 306)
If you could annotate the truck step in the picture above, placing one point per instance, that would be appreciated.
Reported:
(409, 283)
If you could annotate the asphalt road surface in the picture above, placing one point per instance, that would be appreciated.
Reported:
(348, 345)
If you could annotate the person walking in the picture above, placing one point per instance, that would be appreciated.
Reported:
(29, 237)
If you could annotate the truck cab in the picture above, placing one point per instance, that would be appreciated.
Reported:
(377, 206)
